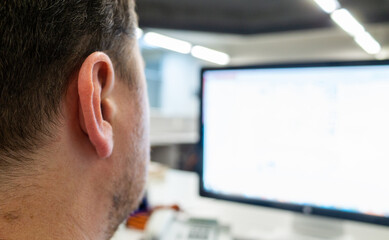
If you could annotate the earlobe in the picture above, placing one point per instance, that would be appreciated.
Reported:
(95, 82)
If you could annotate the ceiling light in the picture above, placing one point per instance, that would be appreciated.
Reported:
(381, 55)
(347, 22)
(328, 6)
(368, 43)
(162, 41)
(210, 55)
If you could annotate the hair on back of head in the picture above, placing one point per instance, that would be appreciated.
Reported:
(42, 44)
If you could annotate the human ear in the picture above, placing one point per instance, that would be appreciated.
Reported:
(96, 79)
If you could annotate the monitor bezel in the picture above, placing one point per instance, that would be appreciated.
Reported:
(302, 209)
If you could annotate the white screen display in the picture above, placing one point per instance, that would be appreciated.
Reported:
(314, 136)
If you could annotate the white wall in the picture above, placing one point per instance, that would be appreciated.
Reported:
(180, 84)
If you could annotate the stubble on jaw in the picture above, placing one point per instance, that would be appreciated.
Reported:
(125, 200)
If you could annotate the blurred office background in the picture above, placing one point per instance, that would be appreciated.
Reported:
(178, 37)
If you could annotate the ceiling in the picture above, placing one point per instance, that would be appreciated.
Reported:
(251, 16)
(326, 44)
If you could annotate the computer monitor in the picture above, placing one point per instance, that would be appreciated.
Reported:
(309, 138)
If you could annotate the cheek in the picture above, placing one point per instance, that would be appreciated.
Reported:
(143, 134)
(133, 132)
(142, 118)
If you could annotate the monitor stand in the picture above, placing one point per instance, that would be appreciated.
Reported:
(312, 227)
(305, 227)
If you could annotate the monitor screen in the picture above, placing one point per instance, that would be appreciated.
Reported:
(310, 138)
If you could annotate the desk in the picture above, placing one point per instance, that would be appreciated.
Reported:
(246, 221)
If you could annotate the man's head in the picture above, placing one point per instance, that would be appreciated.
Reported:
(73, 108)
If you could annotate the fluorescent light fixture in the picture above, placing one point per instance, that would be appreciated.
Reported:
(347, 22)
(210, 55)
(328, 6)
(368, 43)
(162, 41)
(138, 33)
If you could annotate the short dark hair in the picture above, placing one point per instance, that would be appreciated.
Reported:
(42, 44)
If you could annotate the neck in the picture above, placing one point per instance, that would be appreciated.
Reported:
(40, 220)
(48, 207)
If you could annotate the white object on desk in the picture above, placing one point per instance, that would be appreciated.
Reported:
(168, 224)
(159, 222)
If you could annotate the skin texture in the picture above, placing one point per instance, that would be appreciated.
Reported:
(86, 181)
